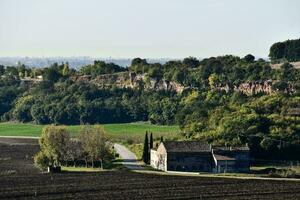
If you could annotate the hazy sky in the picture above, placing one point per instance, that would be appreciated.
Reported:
(145, 28)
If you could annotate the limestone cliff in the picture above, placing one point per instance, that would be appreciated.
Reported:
(133, 80)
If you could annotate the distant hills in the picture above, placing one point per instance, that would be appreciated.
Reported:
(74, 62)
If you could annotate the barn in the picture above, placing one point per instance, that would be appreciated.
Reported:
(199, 156)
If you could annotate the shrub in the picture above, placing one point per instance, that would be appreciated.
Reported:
(41, 160)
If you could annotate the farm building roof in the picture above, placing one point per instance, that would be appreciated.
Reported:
(240, 148)
(222, 157)
(187, 146)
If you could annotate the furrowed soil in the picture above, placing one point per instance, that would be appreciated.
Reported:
(19, 179)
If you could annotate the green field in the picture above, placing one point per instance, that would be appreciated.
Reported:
(125, 131)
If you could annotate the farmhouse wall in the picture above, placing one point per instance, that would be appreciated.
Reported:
(189, 162)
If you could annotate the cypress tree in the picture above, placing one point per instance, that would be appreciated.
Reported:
(146, 149)
(161, 139)
(151, 141)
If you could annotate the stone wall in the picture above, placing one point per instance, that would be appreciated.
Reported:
(191, 162)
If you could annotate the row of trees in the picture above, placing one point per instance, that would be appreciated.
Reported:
(285, 51)
(148, 145)
(58, 148)
(81, 103)
(101, 67)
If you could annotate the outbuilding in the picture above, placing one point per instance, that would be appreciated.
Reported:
(198, 156)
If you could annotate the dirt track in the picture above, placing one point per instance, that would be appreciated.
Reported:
(27, 182)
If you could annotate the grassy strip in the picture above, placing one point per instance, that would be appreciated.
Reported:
(136, 131)
(113, 165)
(80, 169)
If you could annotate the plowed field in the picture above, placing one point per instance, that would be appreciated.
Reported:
(19, 179)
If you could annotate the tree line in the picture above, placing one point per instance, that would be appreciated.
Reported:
(58, 148)
(288, 50)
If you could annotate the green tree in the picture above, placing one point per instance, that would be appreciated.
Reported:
(288, 50)
(146, 149)
(191, 62)
(161, 139)
(66, 69)
(53, 143)
(51, 75)
(151, 141)
(94, 144)
(41, 160)
(74, 150)
(249, 58)
(213, 80)
(288, 72)
(2, 70)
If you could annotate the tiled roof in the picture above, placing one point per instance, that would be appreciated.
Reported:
(240, 148)
(187, 146)
(221, 157)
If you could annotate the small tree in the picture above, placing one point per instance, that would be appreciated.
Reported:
(74, 150)
(65, 71)
(249, 58)
(54, 143)
(94, 144)
(41, 160)
(161, 139)
(146, 149)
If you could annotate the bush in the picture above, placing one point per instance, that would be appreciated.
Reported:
(41, 161)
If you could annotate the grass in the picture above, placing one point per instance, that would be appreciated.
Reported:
(108, 165)
(20, 129)
(133, 132)
(80, 169)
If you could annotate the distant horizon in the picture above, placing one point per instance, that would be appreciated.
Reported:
(129, 58)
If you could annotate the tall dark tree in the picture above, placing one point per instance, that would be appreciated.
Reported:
(249, 58)
(288, 50)
(52, 75)
(146, 149)
(151, 141)
(2, 69)
(288, 72)
(191, 62)
(138, 61)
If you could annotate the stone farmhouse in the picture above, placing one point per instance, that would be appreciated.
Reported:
(198, 156)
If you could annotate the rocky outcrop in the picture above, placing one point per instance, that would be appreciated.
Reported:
(130, 80)
(133, 80)
(254, 87)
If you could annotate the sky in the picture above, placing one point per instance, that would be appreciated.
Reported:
(144, 28)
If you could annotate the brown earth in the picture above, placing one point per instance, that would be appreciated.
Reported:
(26, 182)
(295, 64)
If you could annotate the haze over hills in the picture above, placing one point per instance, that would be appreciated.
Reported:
(74, 62)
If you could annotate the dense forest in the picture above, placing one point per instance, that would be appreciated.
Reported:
(285, 51)
(266, 121)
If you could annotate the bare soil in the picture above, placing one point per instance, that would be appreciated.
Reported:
(27, 182)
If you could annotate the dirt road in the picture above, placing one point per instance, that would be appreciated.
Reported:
(129, 159)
